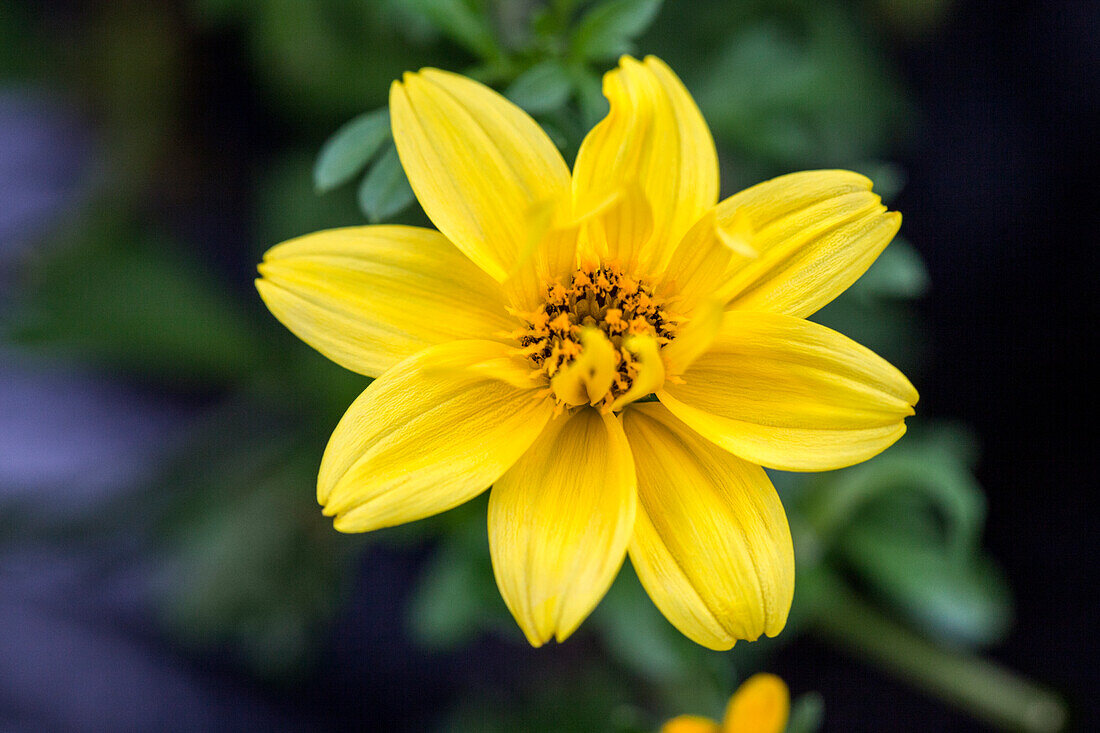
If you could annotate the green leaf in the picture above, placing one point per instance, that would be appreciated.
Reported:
(632, 630)
(899, 273)
(456, 597)
(909, 523)
(454, 600)
(607, 30)
(590, 98)
(875, 309)
(556, 135)
(921, 467)
(385, 190)
(807, 714)
(961, 599)
(637, 635)
(463, 24)
(350, 149)
(889, 178)
(542, 88)
(890, 327)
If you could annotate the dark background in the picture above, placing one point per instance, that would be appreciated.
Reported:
(1002, 201)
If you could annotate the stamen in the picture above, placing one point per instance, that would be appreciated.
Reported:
(596, 298)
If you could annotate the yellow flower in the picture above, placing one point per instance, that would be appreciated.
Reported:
(512, 346)
(761, 705)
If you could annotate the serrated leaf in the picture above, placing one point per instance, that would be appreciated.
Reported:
(607, 29)
(385, 190)
(350, 149)
(542, 88)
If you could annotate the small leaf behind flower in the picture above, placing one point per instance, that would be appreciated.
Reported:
(542, 88)
(898, 274)
(385, 190)
(593, 104)
(350, 149)
(607, 29)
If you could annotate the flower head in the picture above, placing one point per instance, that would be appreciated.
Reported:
(513, 347)
(761, 704)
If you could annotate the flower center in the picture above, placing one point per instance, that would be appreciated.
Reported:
(585, 335)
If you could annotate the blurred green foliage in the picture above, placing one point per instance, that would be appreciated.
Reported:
(249, 561)
(325, 58)
(807, 713)
(128, 299)
(240, 532)
(907, 525)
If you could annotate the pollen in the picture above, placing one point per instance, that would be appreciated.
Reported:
(599, 297)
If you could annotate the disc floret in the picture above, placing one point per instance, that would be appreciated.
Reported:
(595, 298)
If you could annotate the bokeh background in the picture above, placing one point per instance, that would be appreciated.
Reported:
(163, 564)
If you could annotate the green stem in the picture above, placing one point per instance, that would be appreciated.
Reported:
(979, 686)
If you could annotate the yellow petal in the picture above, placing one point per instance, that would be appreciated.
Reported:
(559, 523)
(696, 336)
(690, 724)
(815, 233)
(761, 705)
(711, 543)
(621, 231)
(550, 255)
(368, 297)
(791, 394)
(479, 165)
(653, 135)
(702, 265)
(737, 233)
(429, 434)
